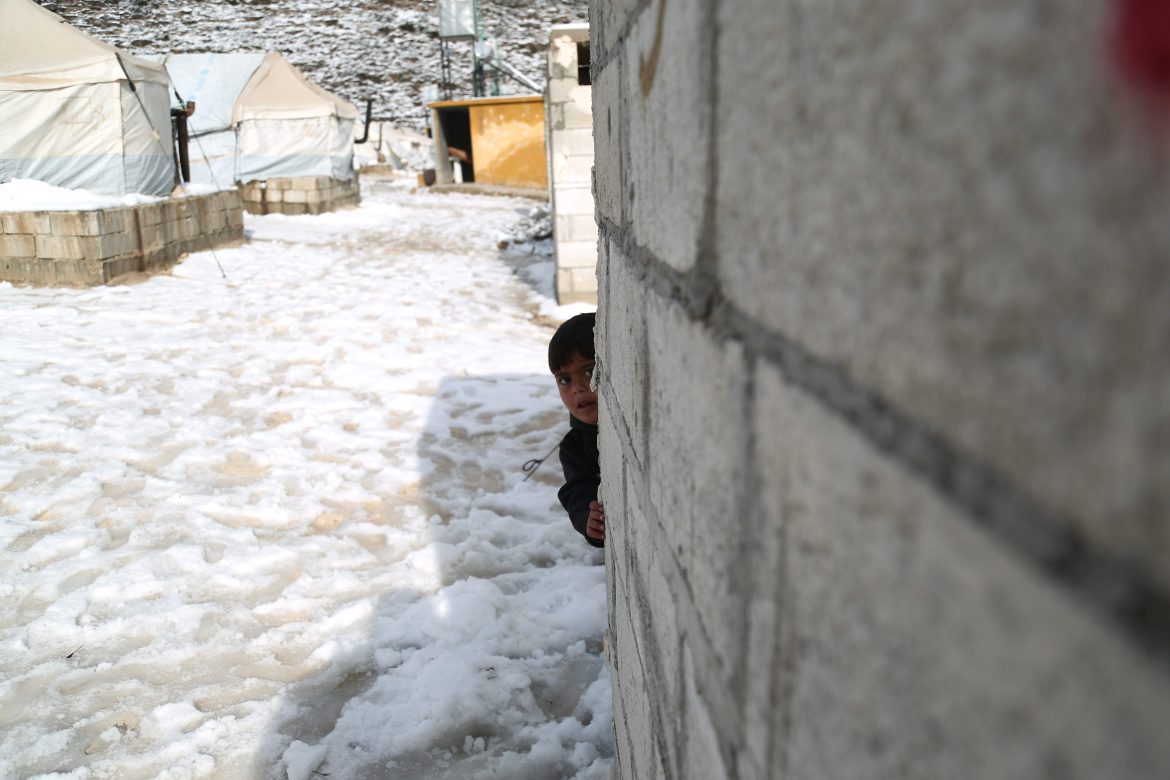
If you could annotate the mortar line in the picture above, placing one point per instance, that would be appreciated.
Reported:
(1043, 538)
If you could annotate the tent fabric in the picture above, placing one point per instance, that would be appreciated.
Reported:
(68, 114)
(279, 148)
(40, 50)
(214, 82)
(257, 118)
(279, 91)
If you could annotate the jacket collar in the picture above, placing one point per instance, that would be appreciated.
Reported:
(577, 425)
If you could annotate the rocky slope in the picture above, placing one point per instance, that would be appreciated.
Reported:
(387, 50)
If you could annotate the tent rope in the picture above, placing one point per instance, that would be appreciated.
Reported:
(158, 138)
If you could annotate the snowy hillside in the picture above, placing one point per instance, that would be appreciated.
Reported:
(381, 49)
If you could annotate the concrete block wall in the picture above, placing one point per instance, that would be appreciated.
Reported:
(85, 248)
(883, 330)
(301, 195)
(570, 145)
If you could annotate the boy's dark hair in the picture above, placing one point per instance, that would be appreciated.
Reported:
(574, 336)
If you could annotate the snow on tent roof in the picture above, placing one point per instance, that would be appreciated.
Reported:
(39, 50)
(231, 88)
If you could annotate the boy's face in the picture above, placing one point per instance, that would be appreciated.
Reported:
(573, 382)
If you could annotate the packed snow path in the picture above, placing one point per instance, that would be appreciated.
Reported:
(276, 525)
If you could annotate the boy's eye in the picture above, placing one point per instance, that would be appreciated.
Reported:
(589, 373)
(563, 380)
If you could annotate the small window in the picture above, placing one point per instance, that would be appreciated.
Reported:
(583, 63)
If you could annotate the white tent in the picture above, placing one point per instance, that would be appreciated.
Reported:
(79, 113)
(257, 117)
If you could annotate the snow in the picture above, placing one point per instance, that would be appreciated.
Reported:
(276, 525)
(33, 195)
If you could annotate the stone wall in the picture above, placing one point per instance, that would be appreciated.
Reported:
(301, 195)
(883, 332)
(85, 248)
(570, 145)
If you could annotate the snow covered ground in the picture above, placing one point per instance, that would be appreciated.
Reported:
(276, 525)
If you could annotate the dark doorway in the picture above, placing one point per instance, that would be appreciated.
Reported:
(456, 125)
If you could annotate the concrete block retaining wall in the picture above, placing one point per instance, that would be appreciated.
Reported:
(84, 248)
(570, 145)
(301, 195)
(883, 334)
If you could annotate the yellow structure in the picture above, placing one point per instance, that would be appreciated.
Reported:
(502, 137)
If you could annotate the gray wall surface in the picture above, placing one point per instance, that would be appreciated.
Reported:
(570, 151)
(884, 335)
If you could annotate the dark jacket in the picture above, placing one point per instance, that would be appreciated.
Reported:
(579, 459)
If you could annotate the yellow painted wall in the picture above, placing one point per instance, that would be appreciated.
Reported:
(507, 142)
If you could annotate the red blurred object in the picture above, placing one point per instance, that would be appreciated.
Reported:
(1141, 45)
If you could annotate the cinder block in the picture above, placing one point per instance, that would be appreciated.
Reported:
(576, 227)
(968, 285)
(18, 245)
(562, 58)
(304, 183)
(120, 266)
(571, 170)
(576, 254)
(150, 213)
(29, 222)
(76, 223)
(935, 627)
(607, 163)
(662, 591)
(560, 91)
(633, 724)
(578, 111)
(695, 450)
(115, 220)
(153, 238)
(702, 743)
(622, 342)
(584, 281)
(576, 142)
(60, 247)
(668, 140)
(77, 273)
(296, 196)
(770, 648)
(577, 200)
(16, 269)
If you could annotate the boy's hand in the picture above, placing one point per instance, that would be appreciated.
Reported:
(596, 527)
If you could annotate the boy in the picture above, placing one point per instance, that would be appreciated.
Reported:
(571, 359)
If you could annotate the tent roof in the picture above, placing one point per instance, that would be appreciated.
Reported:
(280, 91)
(40, 50)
